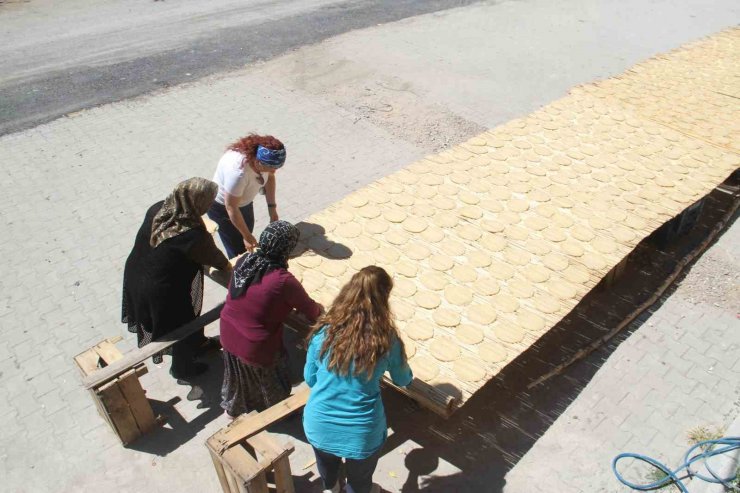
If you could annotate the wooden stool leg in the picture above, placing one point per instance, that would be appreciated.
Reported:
(220, 472)
(283, 476)
(256, 485)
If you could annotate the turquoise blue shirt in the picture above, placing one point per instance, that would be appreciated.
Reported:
(344, 415)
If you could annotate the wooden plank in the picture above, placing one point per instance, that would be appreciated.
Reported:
(108, 352)
(241, 464)
(137, 401)
(220, 471)
(87, 362)
(267, 448)
(141, 354)
(248, 425)
(119, 412)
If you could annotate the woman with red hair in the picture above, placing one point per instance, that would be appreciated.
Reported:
(246, 169)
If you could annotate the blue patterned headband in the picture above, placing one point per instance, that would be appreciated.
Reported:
(272, 158)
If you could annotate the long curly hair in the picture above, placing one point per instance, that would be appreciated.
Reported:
(360, 329)
(247, 146)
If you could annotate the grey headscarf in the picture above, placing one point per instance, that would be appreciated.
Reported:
(182, 209)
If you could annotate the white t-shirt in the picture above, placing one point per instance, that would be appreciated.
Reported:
(240, 181)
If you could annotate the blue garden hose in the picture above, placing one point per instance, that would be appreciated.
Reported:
(708, 448)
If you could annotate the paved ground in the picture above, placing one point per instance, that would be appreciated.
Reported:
(351, 109)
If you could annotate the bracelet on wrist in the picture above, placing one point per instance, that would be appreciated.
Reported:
(272, 206)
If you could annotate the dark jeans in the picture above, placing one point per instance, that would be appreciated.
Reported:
(230, 236)
(359, 472)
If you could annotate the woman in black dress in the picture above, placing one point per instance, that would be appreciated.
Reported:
(163, 277)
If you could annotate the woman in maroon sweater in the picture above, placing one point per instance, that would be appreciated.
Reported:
(261, 295)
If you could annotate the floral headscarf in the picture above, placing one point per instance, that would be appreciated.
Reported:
(182, 209)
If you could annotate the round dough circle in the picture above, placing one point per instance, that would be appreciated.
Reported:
(555, 261)
(464, 273)
(491, 352)
(508, 332)
(348, 230)
(479, 259)
(458, 295)
(469, 334)
(500, 270)
(444, 349)
(481, 314)
(563, 290)
(405, 268)
(427, 299)
(397, 237)
(505, 303)
(376, 226)
(469, 369)
(446, 317)
(546, 303)
(593, 261)
(414, 225)
(441, 263)
(536, 273)
(332, 268)
(395, 215)
(520, 288)
(530, 321)
(486, 287)
(576, 274)
(404, 288)
(453, 248)
(433, 280)
(424, 367)
(420, 330)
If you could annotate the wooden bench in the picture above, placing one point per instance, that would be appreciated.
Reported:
(246, 457)
(121, 401)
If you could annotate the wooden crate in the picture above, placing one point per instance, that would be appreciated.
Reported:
(258, 465)
(246, 457)
(121, 401)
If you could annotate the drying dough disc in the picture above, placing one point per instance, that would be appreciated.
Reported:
(561, 289)
(469, 198)
(555, 261)
(486, 287)
(517, 205)
(402, 311)
(409, 345)
(423, 210)
(581, 233)
(539, 196)
(594, 261)
(464, 273)
(468, 232)
(546, 303)
(414, 225)
(404, 288)
(622, 234)
(562, 220)
(554, 234)
(432, 234)
(516, 233)
(420, 330)
(396, 237)
(500, 270)
(309, 261)
(433, 280)
(348, 230)
(332, 268)
(508, 217)
(516, 256)
(445, 220)
(458, 295)
(441, 263)
(572, 248)
(445, 203)
(604, 245)
(365, 244)
(427, 299)
(469, 333)
(576, 274)
(520, 288)
(358, 199)
(444, 349)
(635, 222)
(530, 321)
(470, 212)
(493, 243)
(343, 216)
(416, 251)
(492, 206)
(424, 367)
(492, 226)
(446, 317)
(545, 210)
(386, 255)
(537, 246)
(469, 369)
(358, 260)
(508, 332)
(406, 268)
(376, 226)
(536, 273)
(481, 314)
(479, 259)
(599, 222)
(505, 303)
(453, 248)
(536, 223)
(395, 215)
(491, 352)
(312, 281)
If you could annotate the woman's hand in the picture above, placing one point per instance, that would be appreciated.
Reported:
(250, 243)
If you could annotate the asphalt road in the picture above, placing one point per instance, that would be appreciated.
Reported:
(59, 58)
